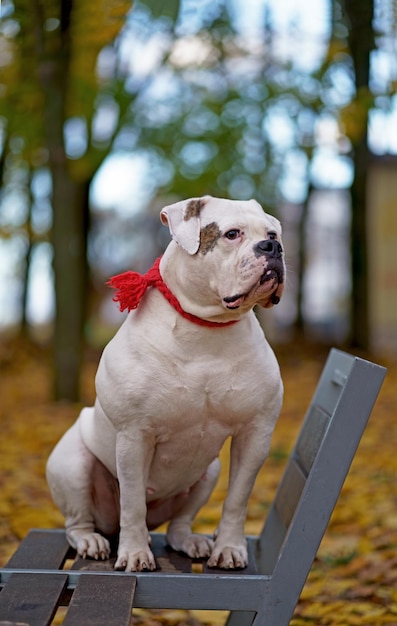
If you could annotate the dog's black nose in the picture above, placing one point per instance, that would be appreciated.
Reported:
(270, 247)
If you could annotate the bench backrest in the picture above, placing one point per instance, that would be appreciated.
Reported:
(317, 468)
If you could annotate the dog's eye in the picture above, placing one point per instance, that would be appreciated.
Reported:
(271, 235)
(232, 234)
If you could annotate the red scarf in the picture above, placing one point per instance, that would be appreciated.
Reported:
(131, 287)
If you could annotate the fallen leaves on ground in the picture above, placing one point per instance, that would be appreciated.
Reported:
(354, 578)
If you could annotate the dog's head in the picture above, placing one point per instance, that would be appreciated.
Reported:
(229, 252)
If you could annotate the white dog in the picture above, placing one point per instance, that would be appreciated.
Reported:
(188, 368)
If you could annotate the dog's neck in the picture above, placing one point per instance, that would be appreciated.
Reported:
(131, 287)
(195, 286)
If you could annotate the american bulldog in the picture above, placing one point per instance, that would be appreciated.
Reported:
(187, 369)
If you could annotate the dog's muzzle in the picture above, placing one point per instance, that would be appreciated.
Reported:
(273, 252)
(268, 247)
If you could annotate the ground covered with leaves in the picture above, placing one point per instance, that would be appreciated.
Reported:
(354, 578)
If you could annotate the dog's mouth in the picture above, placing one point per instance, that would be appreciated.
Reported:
(234, 302)
(270, 274)
(273, 274)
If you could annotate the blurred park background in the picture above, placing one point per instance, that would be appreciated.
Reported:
(109, 111)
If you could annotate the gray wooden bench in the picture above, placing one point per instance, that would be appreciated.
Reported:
(45, 573)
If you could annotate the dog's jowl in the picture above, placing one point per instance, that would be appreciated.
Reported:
(188, 368)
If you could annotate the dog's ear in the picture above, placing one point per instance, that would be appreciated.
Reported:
(183, 220)
(276, 223)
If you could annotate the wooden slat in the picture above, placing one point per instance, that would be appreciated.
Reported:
(167, 559)
(311, 436)
(91, 565)
(31, 598)
(40, 549)
(289, 492)
(240, 618)
(101, 600)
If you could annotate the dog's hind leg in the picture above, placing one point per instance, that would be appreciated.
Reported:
(179, 533)
(70, 471)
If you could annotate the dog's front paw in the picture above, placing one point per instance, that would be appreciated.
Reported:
(229, 557)
(135, 560)
(197, 546)
(181, 538)
(92, 545)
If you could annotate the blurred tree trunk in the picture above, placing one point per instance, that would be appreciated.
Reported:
(69, 237)
(299, 325)
(361, 42)
(53, 78)
(28, 257)
(3, 157)
(70, 214)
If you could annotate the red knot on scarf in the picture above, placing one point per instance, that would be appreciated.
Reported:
(131, 287)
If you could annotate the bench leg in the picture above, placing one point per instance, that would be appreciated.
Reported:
(241, 618)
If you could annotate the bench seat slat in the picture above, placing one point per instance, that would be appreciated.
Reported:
(31, 599)
(101, 600)
(40, 549)
(167, 560)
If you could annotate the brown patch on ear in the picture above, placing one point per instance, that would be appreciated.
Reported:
(193, 209)
(209, 236)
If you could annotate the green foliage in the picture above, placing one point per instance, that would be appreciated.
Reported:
(164, 8)
(40, 38)
(212, 129)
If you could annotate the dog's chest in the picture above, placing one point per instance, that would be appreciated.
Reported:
(177, 377)
(190, 427)
(184, 393)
